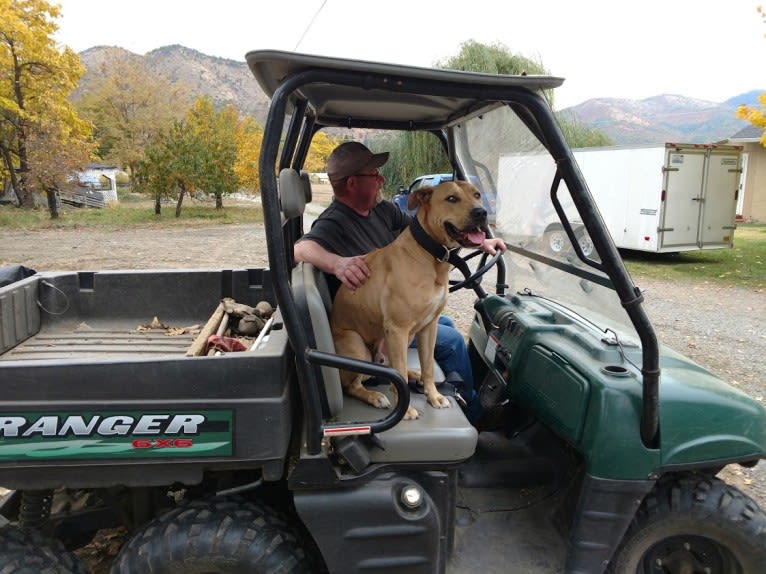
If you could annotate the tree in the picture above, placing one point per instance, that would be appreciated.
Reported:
(198, 153)
(129, 107)
(752, 114)
(414, 154)
(490, 59)
(320, 149)
(577, 134)
(497, 59)
(36, 120)
(170, 166)
(56, 151)
(249, 139)
(216, 136)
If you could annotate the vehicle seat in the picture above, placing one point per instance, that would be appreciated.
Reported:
(442, 435)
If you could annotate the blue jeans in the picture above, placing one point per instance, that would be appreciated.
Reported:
(451, 353)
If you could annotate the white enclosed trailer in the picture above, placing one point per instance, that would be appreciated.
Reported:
(667, 198)
(663, 198)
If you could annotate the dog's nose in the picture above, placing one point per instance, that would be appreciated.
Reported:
(478, 214)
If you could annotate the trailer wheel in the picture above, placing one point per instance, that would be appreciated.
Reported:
(556, 240)
(694, 524)
(586, 243)
(29, 552)
(213, 536)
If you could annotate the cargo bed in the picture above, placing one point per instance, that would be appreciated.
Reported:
(107, 339)
(85, 381)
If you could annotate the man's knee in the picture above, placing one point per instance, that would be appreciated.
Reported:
(449, 338)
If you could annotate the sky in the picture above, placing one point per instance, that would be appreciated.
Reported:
(603, 48)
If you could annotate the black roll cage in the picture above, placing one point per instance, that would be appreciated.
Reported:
(534, 111)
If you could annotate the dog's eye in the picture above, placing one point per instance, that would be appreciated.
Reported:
(452, 198)
(477, 195)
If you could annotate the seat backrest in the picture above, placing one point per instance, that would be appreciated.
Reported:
(312, 298)
(306, 186)
(294, 192)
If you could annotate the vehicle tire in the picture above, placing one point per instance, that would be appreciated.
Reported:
(213, 536)
(29, 552)
(556, 241)
(586, 243)
(691, 523)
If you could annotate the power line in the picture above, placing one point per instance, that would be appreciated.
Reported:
(306, 31)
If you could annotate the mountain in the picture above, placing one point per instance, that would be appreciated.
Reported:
(664, 118)
(652, 120)
(224, 81)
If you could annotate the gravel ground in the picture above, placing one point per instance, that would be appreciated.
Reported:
(721, 328)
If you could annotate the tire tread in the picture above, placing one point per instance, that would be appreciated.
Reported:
(30, 552)
(232, 536)
(691, 503)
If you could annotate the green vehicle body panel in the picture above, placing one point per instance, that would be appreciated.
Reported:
(587, 393)
(114, 435)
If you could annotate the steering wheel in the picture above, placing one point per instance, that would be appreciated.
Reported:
(471, 278)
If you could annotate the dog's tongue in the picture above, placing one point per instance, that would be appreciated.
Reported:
(476, 236)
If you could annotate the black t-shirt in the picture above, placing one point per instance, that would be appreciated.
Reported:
(341, 230)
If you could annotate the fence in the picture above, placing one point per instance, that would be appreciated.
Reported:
(82, 198)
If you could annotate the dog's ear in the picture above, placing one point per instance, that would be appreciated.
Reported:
(419, 197)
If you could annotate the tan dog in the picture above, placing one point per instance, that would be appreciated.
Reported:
(406, 291)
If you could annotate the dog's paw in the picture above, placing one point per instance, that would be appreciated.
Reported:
(379, 400)
(411, 414)
(438, 401)
(414, 375)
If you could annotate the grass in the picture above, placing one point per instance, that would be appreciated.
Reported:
(744, 265)
(132, 212)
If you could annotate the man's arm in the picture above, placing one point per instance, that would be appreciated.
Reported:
(351, 271)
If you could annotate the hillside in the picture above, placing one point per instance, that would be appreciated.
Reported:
(224, 81)
(662, 118)
(651, 120)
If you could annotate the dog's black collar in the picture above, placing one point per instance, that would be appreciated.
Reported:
(440, 252)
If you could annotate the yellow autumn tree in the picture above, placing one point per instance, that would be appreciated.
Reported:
(249, 139)
(216, 150)
(36, 78)
(755, 115)
(320, 149)
(129, 106)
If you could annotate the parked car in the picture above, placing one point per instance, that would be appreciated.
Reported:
(433, 179)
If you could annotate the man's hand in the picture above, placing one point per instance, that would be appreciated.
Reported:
(492, 245)
(352, 271)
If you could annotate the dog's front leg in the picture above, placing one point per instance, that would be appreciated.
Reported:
(350, 344)
(396, 343)
(426, 340)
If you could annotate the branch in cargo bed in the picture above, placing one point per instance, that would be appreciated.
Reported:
(210, 328)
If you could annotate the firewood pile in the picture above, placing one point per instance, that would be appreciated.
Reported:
(232, 327)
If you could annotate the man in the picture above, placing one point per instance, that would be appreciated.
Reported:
(358, 221)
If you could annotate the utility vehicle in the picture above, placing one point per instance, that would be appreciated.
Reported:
(598, 450)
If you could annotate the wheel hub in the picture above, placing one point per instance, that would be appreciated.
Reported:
(688, 555)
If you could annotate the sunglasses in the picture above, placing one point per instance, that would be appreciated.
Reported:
(375, 175)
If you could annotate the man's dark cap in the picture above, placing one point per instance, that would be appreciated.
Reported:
(351, 158)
